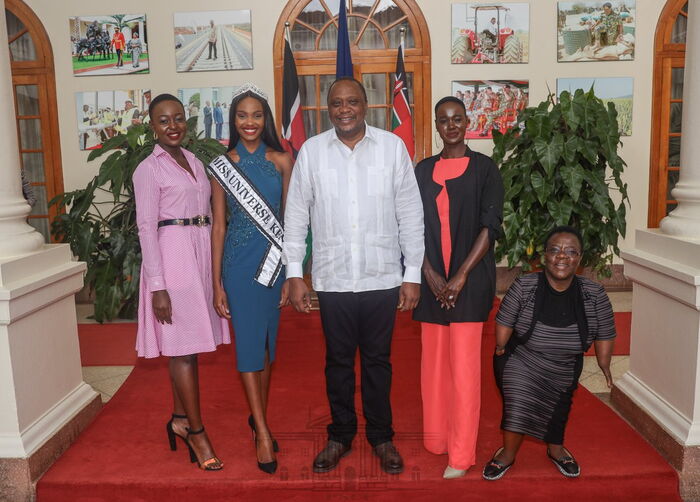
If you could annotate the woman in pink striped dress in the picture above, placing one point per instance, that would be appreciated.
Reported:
(176, 312)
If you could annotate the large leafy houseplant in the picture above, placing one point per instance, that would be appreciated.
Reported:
(561, 167)
(99, 221)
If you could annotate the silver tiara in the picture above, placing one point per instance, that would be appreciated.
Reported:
(249, 87)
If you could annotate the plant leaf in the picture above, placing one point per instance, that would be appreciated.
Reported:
(540, 187)
(573, 177)
(560, 210)
(570, 149)
(549, 152)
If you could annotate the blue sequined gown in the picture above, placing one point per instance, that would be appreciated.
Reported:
(253, 307)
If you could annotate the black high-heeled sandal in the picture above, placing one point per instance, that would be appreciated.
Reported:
(212, 464)
(251, 423)
(172, 435)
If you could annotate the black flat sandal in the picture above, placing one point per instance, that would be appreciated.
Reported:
(567, 464)
(495, 469)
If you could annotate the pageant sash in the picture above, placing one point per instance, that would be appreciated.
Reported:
(237, 185)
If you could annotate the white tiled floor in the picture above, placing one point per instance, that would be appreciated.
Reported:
(591, 376)
(107, 379)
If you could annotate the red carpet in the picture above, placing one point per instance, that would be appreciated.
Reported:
(124, 455)
(113, 344)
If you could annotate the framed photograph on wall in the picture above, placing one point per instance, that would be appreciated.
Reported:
(211, 107)
(104, 114)
(491, 104)
(493, 33)
(114, 44)
(598, 30)
(616, 90)
(213, 41)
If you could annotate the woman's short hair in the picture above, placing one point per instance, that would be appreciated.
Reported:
(159, 99)
(450, 99)
(269, 134)
(564, 229)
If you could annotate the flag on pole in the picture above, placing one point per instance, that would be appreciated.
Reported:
(293, 134)
(343, 61)
(401, 119)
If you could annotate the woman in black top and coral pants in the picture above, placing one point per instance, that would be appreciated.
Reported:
(462, 196)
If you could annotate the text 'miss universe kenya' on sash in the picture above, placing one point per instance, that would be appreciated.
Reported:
(238, 186)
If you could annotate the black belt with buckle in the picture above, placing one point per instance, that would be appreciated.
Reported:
(199, 221)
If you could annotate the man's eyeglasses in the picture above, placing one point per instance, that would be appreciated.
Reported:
(569, 252)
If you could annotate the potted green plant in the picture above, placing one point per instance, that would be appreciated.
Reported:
(99, 221)
(561, 167)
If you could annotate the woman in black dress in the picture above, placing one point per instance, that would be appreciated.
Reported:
(462, 195)
(554, 316)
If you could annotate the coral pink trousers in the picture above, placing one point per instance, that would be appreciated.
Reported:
(451, 390)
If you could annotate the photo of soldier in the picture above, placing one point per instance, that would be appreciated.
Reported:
(596, 30)
(99, 44)
(491, 104)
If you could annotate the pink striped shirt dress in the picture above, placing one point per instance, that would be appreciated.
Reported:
(175, 258)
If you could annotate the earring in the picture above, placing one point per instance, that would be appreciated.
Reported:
(438, 141)
(155, 136)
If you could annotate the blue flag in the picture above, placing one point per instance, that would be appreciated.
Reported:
(343, 62)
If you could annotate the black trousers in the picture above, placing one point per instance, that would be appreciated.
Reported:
(212, 46)
(363, 321)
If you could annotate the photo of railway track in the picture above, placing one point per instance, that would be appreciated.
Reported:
(213, 41)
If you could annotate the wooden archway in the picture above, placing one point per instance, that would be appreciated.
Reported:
(319, 63)
(37, 73)
(669, 61)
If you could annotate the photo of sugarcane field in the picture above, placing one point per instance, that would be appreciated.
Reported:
(616, 90)
(490, 33)
(114, 44)
(213, 41)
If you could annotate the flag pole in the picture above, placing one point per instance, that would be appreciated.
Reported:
(286, 32)
(402, 30)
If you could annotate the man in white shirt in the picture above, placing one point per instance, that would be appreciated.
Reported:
(492, 29)
(355, 185)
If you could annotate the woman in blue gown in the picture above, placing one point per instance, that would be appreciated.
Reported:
(240, 249)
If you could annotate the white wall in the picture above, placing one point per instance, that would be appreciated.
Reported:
(541, 71)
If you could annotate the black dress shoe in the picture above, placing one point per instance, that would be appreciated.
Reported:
(495, 469)
(330, 456)
(567, 464)
(389, 458)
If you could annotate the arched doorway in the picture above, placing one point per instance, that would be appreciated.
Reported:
(667, 109)
(374, 28)
(34, 86)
